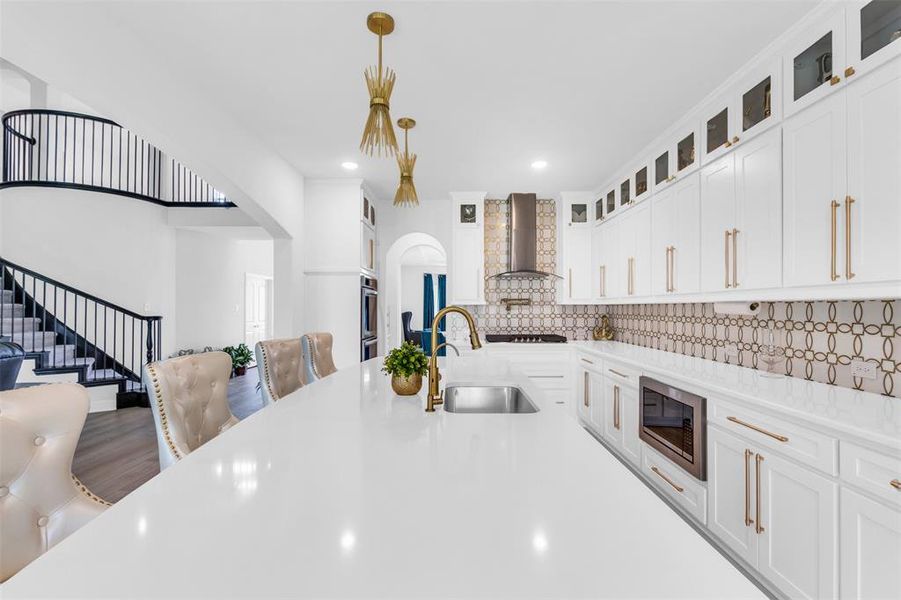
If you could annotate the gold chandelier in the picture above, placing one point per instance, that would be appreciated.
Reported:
(378, 135)
(406, 191)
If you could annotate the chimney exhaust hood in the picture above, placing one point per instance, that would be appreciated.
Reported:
(523, 250)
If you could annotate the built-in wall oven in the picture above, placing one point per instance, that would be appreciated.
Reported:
(369, 303)
(674, 422)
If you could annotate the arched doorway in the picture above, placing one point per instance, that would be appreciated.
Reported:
(409, 255)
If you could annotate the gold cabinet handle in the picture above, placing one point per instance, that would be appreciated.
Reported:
(604, 280)
(616, 407)
(895, 483)
(835, 79)
(775, 436)
(615, 372)
(678, 488)
(734, 257)
(372, 254)
(748, 519)
(585, 400)
(585, 360)
(672, 268)
(849, 71)
(727, 143)
(735, 139)
(848, 202)
(726, 254)
(834, 208)
(758, 526)
(570, 284)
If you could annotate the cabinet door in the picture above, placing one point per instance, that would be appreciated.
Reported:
(583, 394)
(640, 229)
(730, 493)
(597, 262)
(871, 548)
(873, 37)
(466, 279)
(628, 416)
(610, 261)
(596, 398)
(717, 222)
(814, 184)
(717, 131)
(663, 237)
(758, 201)
(871, 238)
(612, 425)
(685, 275)
(813, 65)
(577, 265)
(367, 248)
(798, 512)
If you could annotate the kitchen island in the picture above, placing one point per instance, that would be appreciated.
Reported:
(343, 489)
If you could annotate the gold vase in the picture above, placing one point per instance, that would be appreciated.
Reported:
(406, 386)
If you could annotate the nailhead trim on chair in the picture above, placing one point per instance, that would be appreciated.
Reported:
(164, 420)
(84, 490)
(266, 373)
(312, 345)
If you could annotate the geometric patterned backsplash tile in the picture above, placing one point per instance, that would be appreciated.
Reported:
(813, 340)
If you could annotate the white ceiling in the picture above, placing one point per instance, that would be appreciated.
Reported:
(492, 85)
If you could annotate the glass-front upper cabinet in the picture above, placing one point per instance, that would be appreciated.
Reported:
(599, 209)
(678, 158)
(874, 34)
(661, 169)
(578, 213)
(625, 192)
(813, 64)
(611, 202)
(641, 182)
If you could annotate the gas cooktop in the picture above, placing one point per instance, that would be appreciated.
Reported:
(526, 338)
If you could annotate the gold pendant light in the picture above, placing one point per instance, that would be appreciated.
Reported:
(406, 191)
(378, 136)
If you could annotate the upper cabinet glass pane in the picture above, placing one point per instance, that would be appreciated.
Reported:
(599, 210)
(813, 67)
(880, 25)
(685, 152)
(756, 104)
(661, 168)
(625, 195)
(579, 213)
(641, 181)
(611, 201)
(467, 213)
(718, 130)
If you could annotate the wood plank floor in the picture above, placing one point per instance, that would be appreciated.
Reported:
(117, 451)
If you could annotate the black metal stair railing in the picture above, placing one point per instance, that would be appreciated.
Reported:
(67, 330)
(53, 148)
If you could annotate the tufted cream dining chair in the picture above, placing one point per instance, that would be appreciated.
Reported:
(280, 364)
(189, 401)
(41, 501)
(317, 356)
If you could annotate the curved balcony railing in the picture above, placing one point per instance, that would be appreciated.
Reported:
(54, 148)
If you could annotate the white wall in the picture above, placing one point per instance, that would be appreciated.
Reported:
(118, 249)
(411, 282)
(209, 286)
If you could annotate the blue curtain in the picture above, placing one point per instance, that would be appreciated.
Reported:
(428, 301)
(428, 311)
(442, 298)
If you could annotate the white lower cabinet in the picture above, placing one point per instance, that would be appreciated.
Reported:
(781, 518)
(870, 549)
(590, 394)
(683, 489)
(620, 420)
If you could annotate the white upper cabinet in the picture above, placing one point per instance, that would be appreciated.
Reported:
(605, 248)
(871, 209)
(641, 182)
(678, 157)
(813, 63)
(874, 35)
(634, 252)
(367, 248)
(814, 182)
(675, 238)
(466, 269)
(578, 277)
(717, 221)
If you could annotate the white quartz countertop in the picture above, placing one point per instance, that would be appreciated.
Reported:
(871, 419)
(343, 489)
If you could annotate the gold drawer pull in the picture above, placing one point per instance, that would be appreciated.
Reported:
(587, 361)
(835, 79)
(758, 526)
(833, 274)
(775, 436)
(895, 484)
(668, 480)
(615, 372)
(849, 71)
(616, 407)
(849, 274)
(726, 255)
(748, 519)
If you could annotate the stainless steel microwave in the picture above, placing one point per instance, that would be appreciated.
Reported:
(674, 422)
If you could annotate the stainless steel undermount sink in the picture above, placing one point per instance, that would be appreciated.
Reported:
(487, 399)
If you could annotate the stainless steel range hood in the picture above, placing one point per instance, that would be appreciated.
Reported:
(523, 250)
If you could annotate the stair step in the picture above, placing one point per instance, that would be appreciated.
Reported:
(10, 326)
(11, 310)
(104, 374)
(34, 341)
(6, 296)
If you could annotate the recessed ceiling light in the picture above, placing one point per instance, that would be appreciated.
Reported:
(350, 166)
(539, 164)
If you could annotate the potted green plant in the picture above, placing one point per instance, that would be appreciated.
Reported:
(241, 357)
(406, 365)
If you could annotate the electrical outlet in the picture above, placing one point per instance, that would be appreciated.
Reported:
(863, 369)
(731, 350)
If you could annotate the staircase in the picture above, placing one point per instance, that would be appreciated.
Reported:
(65, 331)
